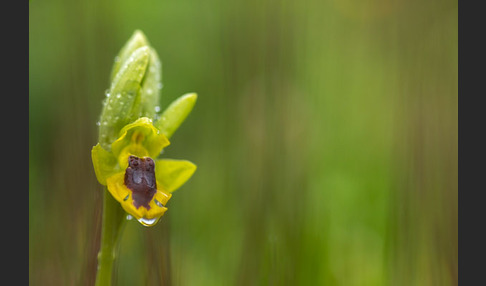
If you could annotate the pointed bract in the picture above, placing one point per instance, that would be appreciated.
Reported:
(175, 114)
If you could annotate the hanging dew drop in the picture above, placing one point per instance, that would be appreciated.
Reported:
(107, 93)
(148, 222)
(157, 108)
(129, 217)
(98, 123)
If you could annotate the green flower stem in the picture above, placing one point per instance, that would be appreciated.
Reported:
(112, 222)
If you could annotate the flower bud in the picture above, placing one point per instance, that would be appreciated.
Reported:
(135, 88)
(123, 103)
(137, 40)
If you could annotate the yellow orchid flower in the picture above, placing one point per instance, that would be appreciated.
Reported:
(142, 185)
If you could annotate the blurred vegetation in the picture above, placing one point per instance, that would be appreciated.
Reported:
(325, 135)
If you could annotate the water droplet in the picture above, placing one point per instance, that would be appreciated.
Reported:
(157, 108)
(107, 93)
(148, 222)
(98, 123)
(129, 217)
(158, 203)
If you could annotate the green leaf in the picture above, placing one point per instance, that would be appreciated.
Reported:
(175, 114)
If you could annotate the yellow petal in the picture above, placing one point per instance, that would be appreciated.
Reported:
(143, 133)
(172, 174)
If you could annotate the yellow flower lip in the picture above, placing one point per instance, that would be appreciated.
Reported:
(142, 197)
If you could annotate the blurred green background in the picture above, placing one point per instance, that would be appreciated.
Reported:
(325, 135)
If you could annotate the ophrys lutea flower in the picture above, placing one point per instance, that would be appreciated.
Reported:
(140, 182)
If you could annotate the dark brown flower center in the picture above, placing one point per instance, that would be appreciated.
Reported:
(140, 179)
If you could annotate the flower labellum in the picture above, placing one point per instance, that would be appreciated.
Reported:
(140, 179)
